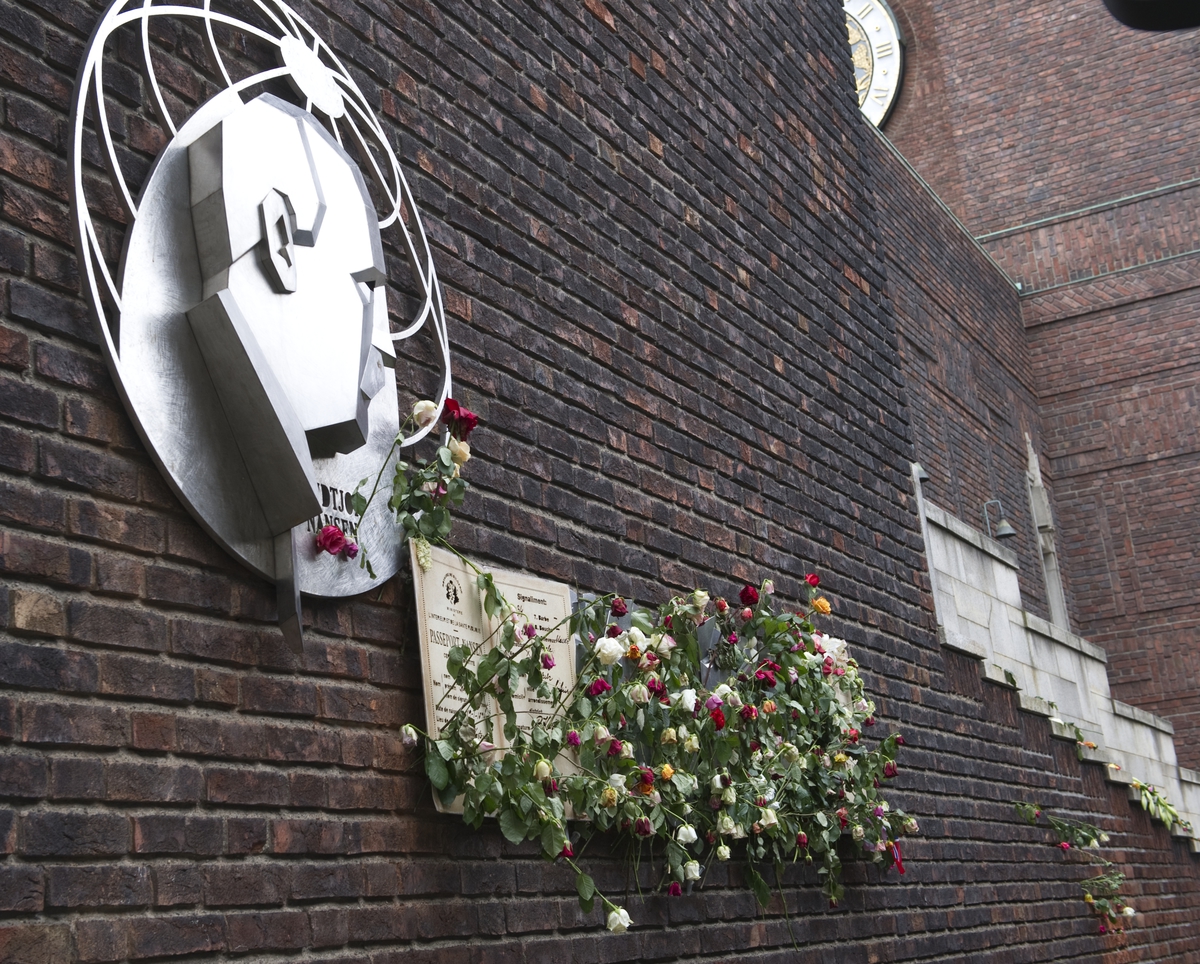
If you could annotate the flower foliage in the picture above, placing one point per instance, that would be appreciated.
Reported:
(1102, 892)
(756, 743)
(423, 491)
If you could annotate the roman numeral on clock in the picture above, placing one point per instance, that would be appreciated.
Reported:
(885, 49)
(865, 11)
(879, 96)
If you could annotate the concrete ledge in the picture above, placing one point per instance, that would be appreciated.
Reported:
(1118, 776)
(1043, 628)
(1189, 776)
(1035, 705)
(956, 641)
(998, 675)
(943, 519)
(1141, 716)
(1062, 731)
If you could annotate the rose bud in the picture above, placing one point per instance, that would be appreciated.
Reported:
(801, 839)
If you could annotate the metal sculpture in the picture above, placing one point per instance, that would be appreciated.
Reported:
(246, 323)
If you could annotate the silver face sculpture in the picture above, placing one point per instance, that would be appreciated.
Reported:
(247, 324)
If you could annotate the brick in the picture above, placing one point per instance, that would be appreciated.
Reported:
(176, 935)
(35, 943)
(79, 724)
(98, 421)
(22, 889)
(247, 835)
(57, 833)
(148, 678)
(117, 626)
(39, 613)
(145, 782)
(99, 940)
(116, 525)
(268, 694)
(37, 558)
(50, 312)
(28, 404)
(32, 508)
(177, 834)
(231, 644)
(247, 787)
(86, 468)
(189, 589)
(177, 884)
(74, 778)
(275, 930)
(244, 884)
(97, 887)
(48, 667)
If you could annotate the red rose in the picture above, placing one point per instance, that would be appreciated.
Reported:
(599, 685)
(567, 851)
(718, 719)
(675, 889)
(812, 580)
(722, 605)
(749, 712)
(614, 748)
(618, 607)
(613, 631)
(890, 769)
(459, 420)
(801, 839)
(748, 595)
(852, 735)
(642, 827)
(331, 539)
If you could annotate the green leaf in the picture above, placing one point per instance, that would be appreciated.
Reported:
(512, 826)
(585, 887)
(641, 619)
(761, 891)
(435, 767)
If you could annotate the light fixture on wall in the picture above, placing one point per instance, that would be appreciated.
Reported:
(1003, 528)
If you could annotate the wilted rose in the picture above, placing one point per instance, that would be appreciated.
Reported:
(331, 539)
(748, 595)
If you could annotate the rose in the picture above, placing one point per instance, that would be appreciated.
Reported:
(686, 834)
(626, 750)
(857, 832)
(668, 736)
(617, 781)
(618, 921)
(608, 797)
(547, 661)
(812, 579)
(713, 702)
(663, 644)
(667, 771)
(614, 748)
(408, 735)
(459, 420)
(642, 827)
(747, 614)
(331, 539)
(748, 595)
(601, 734)
(599, 685)
(638, 693)
(687, 699)
(729, 796)
(723, 852)
(608, 651)
(541, 770)
(769, 706)
(801, 839)
(768, 587)
(566, 851)
(700, 599)
(718, 719)
(691, 870)
(722, 605)
(749, 712)
(573, 738)
(675, 889)
(460, 452)
(692, 744)
(821, 605)
(424, 412)
(890, 769)
(725, 825)
(618, 607)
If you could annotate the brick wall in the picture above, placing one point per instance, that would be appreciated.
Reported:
(663, 259)
(1070, 155)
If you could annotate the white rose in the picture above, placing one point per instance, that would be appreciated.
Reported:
(626, 750)
(663, 645)
(601, 734)
(682, 733)
(857, 832)
(789, 753)
(722, 692)
(692, 744)
(729, 796)
(616, 781)
(700, 599)
(717, 784)
(639, 693)
(1128, 911)
(668, 736)
(768, 587)
(408, 735)
(424, 412)
(722, 852)
(733, 701)
(691, 870)
(608, 650)
(541, 770)
(686, 834)
(768, 819)
(725, 824)
(637, 638)
(618, 921)
(687, 699)
(739, 832)
(460, 452)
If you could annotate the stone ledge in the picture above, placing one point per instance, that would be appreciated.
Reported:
(1036, 624)
(943, 519)
(1141, 716)
(960, 643)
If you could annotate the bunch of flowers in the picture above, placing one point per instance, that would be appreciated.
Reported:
(1102, 892)
(699, 730)
(423, 491)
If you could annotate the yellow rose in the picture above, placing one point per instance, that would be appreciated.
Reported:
(821, 605)
(460, 452)
(668, 771)
(608, 797)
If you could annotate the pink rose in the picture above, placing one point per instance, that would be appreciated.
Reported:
(547, 661)
(331, 539)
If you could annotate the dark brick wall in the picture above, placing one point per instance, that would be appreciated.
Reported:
(661, 248)
(1065, 141)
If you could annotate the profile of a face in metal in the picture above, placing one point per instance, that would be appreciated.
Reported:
(293, 326)
(246, 325)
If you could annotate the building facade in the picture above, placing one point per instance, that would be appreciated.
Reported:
(709, 320)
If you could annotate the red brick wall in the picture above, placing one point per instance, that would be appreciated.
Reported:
(666, 270)
(1072, 156)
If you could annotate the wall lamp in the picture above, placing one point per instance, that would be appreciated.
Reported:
(1003, 528)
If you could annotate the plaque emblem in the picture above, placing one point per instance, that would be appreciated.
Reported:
(243, 304)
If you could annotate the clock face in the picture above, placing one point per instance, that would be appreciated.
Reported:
(876, 51)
